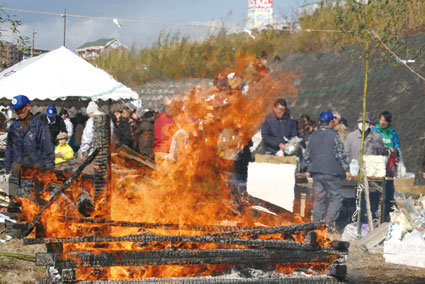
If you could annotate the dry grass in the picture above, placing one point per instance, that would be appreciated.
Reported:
(174, 56)
(13, 270)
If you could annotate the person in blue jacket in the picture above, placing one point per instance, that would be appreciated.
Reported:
(278, 128)
(28, 138)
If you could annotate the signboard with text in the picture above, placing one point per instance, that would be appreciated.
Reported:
(260, 4)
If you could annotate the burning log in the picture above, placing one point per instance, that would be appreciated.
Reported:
(224, 230)
(65, 185)
(184, 257)
(84, 204)
(277, 279)
(287, 230)
(148, 238)
(128, 153)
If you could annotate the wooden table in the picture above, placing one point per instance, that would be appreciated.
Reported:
(375, 184)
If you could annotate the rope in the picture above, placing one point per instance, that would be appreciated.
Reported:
(158, 22)
(112, 19)
(396, 56)
(357, 213)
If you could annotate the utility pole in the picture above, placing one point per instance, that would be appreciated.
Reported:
(33, 37)
(64, 28)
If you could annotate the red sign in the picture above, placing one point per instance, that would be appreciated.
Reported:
(260, 4)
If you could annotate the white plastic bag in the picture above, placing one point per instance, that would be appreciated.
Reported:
(354, 167)
(292, 146)
(350, 231)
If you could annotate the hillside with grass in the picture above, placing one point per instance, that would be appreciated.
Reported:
(330, 65)
(175, 57)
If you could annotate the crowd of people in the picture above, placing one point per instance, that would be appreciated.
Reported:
(52, 137)
(326, 150)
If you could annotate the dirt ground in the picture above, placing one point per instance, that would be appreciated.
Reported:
(14, 270)
(362, 267)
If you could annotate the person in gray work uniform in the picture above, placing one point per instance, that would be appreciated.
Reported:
(328, 165)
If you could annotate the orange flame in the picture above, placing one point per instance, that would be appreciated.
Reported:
(191, 187)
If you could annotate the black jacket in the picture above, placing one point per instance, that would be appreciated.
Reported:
(274, 130)
(124, 133)
(58, 125)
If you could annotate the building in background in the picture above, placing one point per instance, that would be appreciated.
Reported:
(36, 52)
(10, 54)
(260, 14)
(92, 50)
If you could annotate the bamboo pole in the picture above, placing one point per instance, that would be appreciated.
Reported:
(361, 184)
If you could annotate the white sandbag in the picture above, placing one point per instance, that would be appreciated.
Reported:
(350, 232)
(409, 250)
(274, 183)
(375, 165)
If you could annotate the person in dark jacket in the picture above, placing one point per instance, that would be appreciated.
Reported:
(278, 128)
(327, 163)
(144, 143)
(28, 138)
(55, 122)
(124, 129)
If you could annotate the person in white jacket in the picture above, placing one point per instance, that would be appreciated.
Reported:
(68, 124)
(88, 134)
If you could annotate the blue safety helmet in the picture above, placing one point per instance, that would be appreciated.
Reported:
(19, 101)
(326, 116)
(51, 111)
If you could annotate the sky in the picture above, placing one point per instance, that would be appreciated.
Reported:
(49, 29)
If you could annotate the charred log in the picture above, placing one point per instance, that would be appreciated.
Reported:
(278, 279)
(148, 238)
(184, 257)
(84, 204)
(224, 230)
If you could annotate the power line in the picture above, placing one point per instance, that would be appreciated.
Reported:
(118, 19)
(140, 21)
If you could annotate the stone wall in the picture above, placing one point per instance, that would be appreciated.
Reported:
(153, 93)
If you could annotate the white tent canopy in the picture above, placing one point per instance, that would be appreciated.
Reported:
(61, 74)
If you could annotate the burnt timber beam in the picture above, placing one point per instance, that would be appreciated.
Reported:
(288, 230)
(278, 279)
(113, 223)
(225, 230)
(148, 238)
(184, 257)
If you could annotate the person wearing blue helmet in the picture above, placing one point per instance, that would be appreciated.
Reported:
(28, 138)
(327, 163)
(55, 122)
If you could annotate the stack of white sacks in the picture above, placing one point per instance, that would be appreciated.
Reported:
(405, 242)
